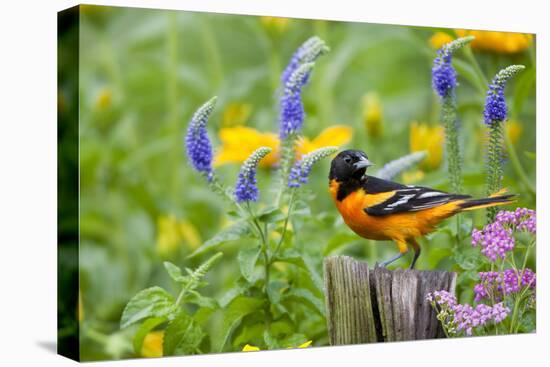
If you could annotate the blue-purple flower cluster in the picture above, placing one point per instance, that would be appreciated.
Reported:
(495, 285)
(197, 142)
(496, 110)
(300, 171)
(497, 238)
(464, 317)
(294, 78)
(246, 188)
(443, 72)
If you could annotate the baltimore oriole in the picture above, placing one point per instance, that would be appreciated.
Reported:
(378, 209)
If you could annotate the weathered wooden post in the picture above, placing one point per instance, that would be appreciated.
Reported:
(376, 305)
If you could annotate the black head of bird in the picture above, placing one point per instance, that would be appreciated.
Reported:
(349, 165)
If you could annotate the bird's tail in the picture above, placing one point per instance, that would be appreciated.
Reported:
(498, 198)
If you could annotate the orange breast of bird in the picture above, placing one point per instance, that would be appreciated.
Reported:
(397, 227)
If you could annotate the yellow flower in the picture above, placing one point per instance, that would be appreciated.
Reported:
(430, 139)
(104, 99)
(251, 348)
(236, 114)
(372, 114)
(240, 141)
(275, 24)
(412, 177)
(513, 130)
(171, 232)
(499, 42)
(439, 39)
(336, 135)
(306, 344)
(152, 344)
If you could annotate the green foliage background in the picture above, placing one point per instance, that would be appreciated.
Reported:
(154, 68)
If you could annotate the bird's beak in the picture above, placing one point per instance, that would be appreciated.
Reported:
(362, 163)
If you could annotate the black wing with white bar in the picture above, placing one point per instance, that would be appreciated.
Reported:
(407, 198)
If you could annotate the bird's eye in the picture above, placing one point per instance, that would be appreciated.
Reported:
(347, 159)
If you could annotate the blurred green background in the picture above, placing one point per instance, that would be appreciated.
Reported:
(144, 72)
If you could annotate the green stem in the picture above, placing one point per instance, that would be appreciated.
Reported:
(527, 254)
(448, 117)
(287, 153)
(267, 266)
(494, 164)
(283, 233)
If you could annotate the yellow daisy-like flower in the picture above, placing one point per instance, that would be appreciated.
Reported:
(240, 141)
(499, 42)
(152, 344)
(171, 232)
(336, 135)
(439, 39)
(430, 139)
(372, 114)
(252, 348)
(236, 114)
(275, 24)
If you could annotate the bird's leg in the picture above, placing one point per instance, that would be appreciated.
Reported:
(416, 248)
(402, 251)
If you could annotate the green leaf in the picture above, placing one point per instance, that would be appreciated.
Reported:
(306, 297)
(291, 256)
(304, 261)
(200, 300)
(150, 302)
(271, 215)
(530, 155)
(182, 336)
(274, 290)
(234, 232)
(144, 329)
(234, 313)
(247, 259)
(338, 241)
(270, 340)
(241, 286)
(174, 272)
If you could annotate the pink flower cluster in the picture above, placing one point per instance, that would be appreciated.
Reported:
(499, 284)
(497, 238)
(465, 317)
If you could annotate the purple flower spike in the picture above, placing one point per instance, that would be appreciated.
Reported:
(300, 171)
(495, 104)
(294, 78)
(443, 72)
(199, 148)
(246, 188)
(309, 51)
